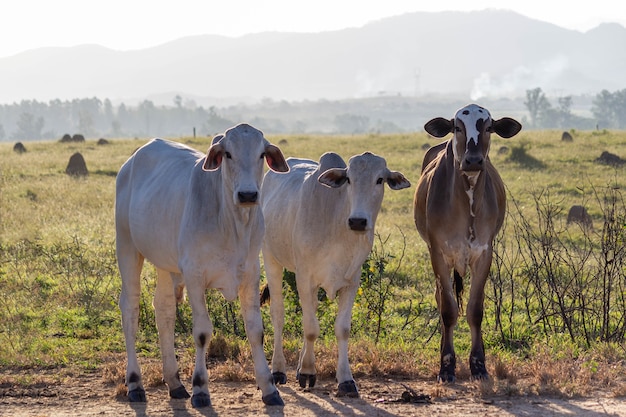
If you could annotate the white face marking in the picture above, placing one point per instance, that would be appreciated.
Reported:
(469, 115)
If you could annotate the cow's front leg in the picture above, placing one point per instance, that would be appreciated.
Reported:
(251, 311)
(202, 332)
(306, 372)
(274, 272)
(449, 313)
(165, 314)
(345, 300)
(475, 307)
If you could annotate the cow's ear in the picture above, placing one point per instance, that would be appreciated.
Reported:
(217, 138)
(397, 181)
(213, 159)
(275, 159)
(506, 127)
(439, 127)
(334, 177)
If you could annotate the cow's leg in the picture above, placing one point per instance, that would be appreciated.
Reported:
(449, 312)
(130, 262)
(202, 332)
(274, 272)
(251, 311)
(479, 271)
(165, 313)
(345, 301)
(311, 327)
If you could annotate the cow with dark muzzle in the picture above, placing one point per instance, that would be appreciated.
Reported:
(459, 207)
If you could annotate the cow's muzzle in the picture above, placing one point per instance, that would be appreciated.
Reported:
(473, 162)
(358, 224)
(248, 197)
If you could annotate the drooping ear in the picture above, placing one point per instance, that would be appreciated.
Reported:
(213, 159)
(397, 181)
(439, 127)
(334, 177)
(275, 159)
(506, 127)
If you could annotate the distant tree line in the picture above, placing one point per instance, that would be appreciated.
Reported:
(94, 118)
(609, 111)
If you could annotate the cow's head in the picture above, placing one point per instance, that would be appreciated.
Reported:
(365, 175)
(240, 153)
(472, 127)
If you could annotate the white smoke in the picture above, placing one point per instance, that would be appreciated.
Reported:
(522, 78)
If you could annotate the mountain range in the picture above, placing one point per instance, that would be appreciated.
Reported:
(489, 53)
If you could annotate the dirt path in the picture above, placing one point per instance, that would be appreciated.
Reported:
(87, 395)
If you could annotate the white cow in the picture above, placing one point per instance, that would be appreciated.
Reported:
(196, 217)
(320, 224)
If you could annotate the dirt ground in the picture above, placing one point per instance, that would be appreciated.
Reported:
(87, 394)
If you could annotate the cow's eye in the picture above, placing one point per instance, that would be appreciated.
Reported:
(379, 181)
(348, 180)
(228, 155)
(457, 129)
(263, 155)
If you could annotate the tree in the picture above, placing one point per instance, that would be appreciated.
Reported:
(351, 123)
(29, 127)
(537, 105)
(609, 109)
(216, 123)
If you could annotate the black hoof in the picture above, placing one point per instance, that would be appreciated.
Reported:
(138, 395)
(179, 393)
(478, 368)
(446, 378)
(348, 389)
(201, 400)
(279, 377)
(273, 399)
(303, 378)
(480, 377)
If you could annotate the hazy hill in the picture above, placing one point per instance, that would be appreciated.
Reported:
(466, 54)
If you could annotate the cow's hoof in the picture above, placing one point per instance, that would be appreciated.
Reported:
(200, 400)
(273, 399)
(138, 395)
(304, 378)
(179, 393)
(478, 368)
(445, 378)
(483, 376)
(348, 389)
(279, 377)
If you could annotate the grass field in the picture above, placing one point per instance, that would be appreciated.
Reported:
(59, 282)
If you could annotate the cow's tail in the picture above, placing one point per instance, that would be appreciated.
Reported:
(458, 289)
(265, 294)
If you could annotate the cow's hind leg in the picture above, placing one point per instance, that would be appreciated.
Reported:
(130, 262)
(306, 373)
(347, 386)
(165, 312)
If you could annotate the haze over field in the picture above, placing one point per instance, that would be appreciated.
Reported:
(488, 53)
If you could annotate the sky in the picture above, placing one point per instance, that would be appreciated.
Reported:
(136, 24)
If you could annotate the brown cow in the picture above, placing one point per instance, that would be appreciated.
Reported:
(459, 207)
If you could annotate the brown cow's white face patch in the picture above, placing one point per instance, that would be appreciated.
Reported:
(471, 136)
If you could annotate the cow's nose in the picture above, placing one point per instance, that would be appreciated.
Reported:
(247, 196)
(357, 223)
(472, 163)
